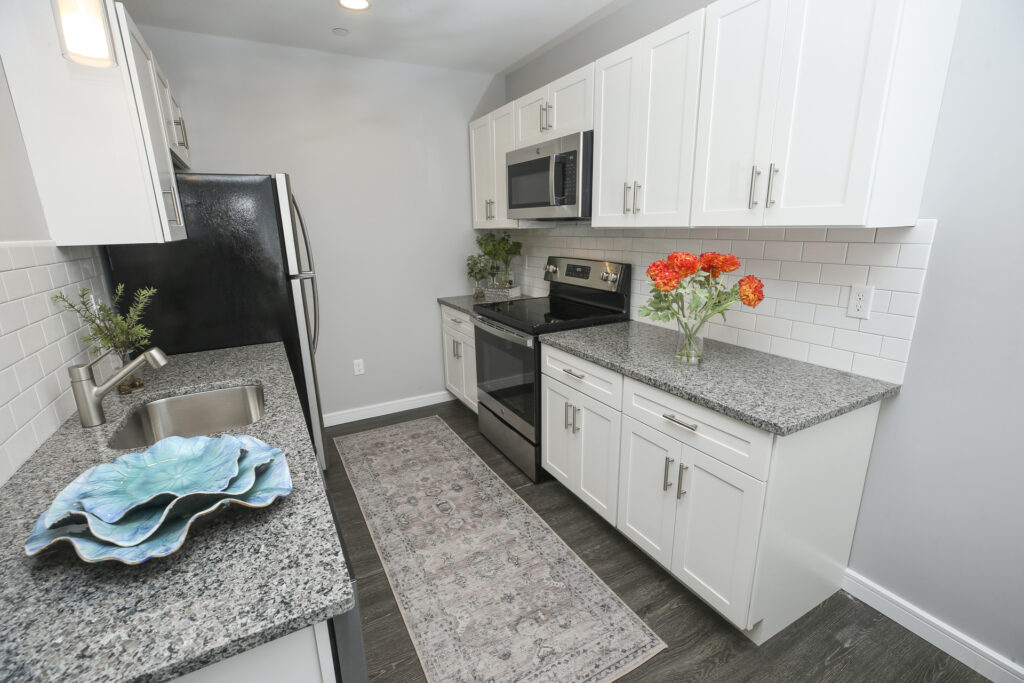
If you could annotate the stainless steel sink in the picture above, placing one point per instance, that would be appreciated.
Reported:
(208, 412)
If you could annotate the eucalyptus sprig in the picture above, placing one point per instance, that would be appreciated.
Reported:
(108, 329)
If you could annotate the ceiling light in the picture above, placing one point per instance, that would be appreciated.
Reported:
(355, 4)
(339, 31)
(84, 32)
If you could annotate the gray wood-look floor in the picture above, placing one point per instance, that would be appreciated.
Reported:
(840, 640)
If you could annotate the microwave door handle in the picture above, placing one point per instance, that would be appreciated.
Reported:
(551, 180)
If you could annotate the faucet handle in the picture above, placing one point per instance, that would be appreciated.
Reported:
(82, 372)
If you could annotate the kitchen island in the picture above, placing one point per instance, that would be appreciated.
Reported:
(244, 577)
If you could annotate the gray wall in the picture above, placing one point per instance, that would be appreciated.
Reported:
(942, 518)
(21, 214)
(622, 27)
(378, 154)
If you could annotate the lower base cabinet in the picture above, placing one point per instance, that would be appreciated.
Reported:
(579, 445)
(762, 538)
(459, 356)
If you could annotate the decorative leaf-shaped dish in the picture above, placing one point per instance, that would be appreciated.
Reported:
(272, 483)
(171, 468)
(140, 522)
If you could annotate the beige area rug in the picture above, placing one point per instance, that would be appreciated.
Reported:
(487, 589)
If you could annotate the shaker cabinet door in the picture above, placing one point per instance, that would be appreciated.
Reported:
(595, 476)
(647, 511)
(454, 378)
(615, 120)
(743, 44)
(556, 450)
(571, 100)
(481, 170)
(531, 117)
(503, 141)
(716, 533)
(831, 103)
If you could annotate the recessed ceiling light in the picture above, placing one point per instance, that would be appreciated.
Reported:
(355, 4)
(339, 31)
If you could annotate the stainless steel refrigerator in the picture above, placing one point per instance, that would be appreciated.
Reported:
(244, 276)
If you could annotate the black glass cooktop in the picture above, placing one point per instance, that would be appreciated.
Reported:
(547, 314)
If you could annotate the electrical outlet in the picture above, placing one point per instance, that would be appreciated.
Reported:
(860, 301)
(357, 367)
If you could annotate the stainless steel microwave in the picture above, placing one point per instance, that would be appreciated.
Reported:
(551, 180)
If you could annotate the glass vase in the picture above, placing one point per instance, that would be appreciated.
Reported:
(690, 344)
(133, 381)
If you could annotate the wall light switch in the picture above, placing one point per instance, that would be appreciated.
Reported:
(357, 367)
(860, 301)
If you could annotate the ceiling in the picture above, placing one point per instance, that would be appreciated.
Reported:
(487, 36)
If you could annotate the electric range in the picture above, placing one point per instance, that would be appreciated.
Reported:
(582, 293)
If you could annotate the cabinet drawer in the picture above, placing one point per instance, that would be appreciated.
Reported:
(735, 443)
(457, 321)
(588, 378)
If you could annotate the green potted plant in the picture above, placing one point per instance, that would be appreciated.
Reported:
(478, 268)
(111, 330)
(501, 250)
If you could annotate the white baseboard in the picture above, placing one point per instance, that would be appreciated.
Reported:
(377, 409)
(978, 656)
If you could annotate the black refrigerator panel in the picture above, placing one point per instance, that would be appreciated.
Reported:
(226, 284)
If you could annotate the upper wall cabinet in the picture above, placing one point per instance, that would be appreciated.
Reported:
(817, 112)
(98, 139)
(645, 121)
(490, 138)
(559, 108)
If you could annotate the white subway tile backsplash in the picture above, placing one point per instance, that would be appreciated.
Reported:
(807, 274)
(37, 342)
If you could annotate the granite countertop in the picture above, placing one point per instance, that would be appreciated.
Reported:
(776, 394)
(242, 578)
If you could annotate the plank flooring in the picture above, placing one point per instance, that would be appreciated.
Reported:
(840, 640)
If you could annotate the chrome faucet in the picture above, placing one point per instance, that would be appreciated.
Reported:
(89, 396)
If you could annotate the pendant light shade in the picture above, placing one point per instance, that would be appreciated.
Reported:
(84, 30)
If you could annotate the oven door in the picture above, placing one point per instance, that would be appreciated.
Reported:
(507, 361)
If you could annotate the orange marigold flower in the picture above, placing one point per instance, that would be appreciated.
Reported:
(711, 263)
(728, 263)
(751, 291)
(664, 276)
(684, 263)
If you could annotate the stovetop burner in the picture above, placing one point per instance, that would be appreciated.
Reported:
(547, 314)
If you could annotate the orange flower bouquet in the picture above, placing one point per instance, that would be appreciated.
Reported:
(689, 289)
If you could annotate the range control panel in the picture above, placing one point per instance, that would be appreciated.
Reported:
(605, 275)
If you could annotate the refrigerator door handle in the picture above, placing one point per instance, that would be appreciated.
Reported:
(309, 275)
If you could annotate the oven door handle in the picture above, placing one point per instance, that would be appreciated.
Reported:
(504, 332)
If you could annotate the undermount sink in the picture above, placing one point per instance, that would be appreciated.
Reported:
(207, 412)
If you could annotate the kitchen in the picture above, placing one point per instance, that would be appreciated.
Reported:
(393, 198)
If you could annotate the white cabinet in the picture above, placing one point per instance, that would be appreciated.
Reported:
(490, 138)
(717, 526)
(814, 112)
(645, 119)
(174, 122)
(557, 109)
(96, 137)
(459, 356)
(757, 525)
(580, 445)
(647, 504)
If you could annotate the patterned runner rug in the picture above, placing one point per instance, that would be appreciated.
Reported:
(486, 588)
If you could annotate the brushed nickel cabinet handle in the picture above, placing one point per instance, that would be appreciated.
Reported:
(754, 172)
(625, 197)
(573, 373)
(180, 123)
(575, 414)
(543, 112)
(666, 485)
(672, 418)
(636, 195)
(174, 205)
(566, 414)
(679, 484)
(550, 109)
(772, 170)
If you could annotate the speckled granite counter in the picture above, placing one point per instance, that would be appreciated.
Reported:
(466, 302)
(776, 394)
(243, 577)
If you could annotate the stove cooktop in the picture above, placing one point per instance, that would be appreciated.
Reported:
(542, 314)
